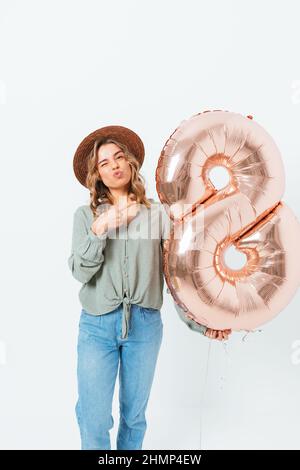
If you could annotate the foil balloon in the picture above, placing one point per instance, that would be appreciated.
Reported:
(247, 215)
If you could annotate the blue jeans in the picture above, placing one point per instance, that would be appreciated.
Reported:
(100, 349)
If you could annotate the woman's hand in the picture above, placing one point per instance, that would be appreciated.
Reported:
(115, 216)
(217, 334)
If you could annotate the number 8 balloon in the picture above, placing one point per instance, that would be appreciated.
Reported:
(246, 214)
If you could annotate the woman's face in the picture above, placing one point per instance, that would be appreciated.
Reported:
(113, 166)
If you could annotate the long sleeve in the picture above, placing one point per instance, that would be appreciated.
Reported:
(189, 322)
(87, 253)
(166, 223)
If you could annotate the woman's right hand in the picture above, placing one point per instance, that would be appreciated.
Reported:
(114, 217)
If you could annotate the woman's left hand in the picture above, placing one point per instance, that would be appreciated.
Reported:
(220, 335)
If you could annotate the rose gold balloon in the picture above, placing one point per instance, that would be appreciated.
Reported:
(247, 214)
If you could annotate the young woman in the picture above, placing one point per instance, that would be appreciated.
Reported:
(117, 245)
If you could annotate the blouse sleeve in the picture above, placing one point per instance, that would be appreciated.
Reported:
(167, 223)
(193, 325)
(87, 252)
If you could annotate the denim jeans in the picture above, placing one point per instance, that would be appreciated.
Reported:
(100, 350)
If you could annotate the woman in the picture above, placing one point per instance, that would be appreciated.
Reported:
(116, 254)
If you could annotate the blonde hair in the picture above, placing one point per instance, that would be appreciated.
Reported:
(99, 192)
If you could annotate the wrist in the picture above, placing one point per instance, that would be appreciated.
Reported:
(99, 229)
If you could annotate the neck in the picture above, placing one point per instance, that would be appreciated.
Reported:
(120, 196)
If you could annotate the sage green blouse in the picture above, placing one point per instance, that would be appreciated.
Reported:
(123, 265)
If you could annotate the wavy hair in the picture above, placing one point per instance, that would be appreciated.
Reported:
(99, 192)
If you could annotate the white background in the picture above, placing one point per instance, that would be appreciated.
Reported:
(66, 69)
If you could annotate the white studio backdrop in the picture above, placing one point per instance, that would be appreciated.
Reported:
(66, 69)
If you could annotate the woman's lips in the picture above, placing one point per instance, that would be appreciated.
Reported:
(118, 174)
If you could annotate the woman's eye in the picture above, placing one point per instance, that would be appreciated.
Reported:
(119, 156)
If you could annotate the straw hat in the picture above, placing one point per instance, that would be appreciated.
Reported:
(122, 134)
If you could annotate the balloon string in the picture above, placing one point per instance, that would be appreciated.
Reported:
(206, 375)
(250, 331)
(203, 392)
